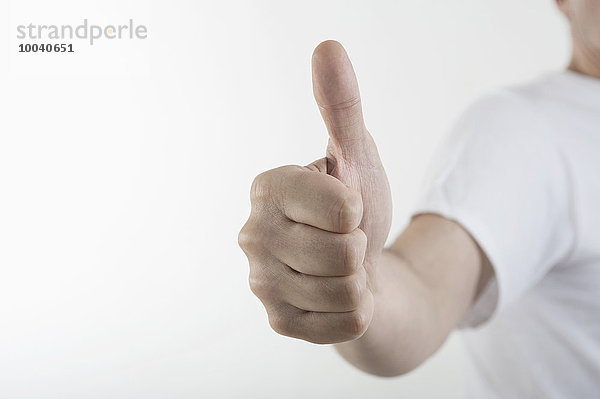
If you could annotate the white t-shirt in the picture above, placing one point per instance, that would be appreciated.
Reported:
(521, 172)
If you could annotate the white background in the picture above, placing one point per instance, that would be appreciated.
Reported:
(125, 170)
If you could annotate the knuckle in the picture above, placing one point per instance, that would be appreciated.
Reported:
(357, 323)
(249, 240)
(265, 184)
(280, 323)
(353, 248)
(260, 285)
(244, 238)
(349, 212)
(352, 292)
(361, 239)
(261, 187)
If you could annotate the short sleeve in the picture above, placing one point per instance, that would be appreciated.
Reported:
(500, 174)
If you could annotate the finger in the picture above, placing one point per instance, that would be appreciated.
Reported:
(322, 327)
(317, 252)
(323, 294)
(274, 282)
(310, 197)
(336, 92)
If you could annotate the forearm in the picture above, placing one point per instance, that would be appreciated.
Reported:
(404, 330)
(424, 284)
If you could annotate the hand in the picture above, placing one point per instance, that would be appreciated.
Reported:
(316, 233)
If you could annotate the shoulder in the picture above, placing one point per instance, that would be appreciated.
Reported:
(502, 108)
(507, 117)
(501, 134)
(522, 98)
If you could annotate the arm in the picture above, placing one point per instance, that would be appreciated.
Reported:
(315, 245)
(426, 281)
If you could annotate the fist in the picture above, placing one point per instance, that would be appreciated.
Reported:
(315, 233)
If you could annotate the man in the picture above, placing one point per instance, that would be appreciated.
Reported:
(506, 237)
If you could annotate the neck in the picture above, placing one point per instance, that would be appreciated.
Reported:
(585, 60)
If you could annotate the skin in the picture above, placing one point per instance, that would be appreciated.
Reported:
(315, 236)
(584, 19)
(315, 243)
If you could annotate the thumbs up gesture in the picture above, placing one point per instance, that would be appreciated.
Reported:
(316, 233)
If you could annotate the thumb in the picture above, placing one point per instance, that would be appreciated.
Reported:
(336, 91)
(352, 156)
